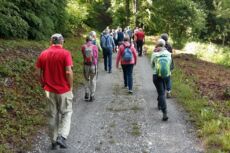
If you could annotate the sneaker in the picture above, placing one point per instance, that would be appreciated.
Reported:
(61, 142)
(54, 146)
(110, 71)
(130, 91)
(86, 96)
(92, 98)
(168, 94)
(165, 117)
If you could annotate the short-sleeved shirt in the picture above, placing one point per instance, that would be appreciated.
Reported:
(140, 35)
(95, 51)
(52, 62)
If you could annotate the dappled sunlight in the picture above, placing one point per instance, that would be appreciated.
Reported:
(208, 52)
(150, 42)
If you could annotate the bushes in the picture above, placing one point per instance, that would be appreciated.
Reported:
(11, 24)
(39, 19)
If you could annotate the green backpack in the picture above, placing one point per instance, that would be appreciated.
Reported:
(163, 67)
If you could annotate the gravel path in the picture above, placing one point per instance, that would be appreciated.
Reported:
(117, 122)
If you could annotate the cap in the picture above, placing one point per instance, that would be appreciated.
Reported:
(165, 36)
(57, 38)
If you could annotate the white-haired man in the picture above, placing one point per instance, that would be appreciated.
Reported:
(54, 66)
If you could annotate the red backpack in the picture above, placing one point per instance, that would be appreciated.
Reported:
(88, 55)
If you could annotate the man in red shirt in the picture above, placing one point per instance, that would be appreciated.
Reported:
(140, 39)
(54, 66)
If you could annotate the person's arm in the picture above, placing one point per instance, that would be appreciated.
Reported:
(118, 57)
(95, 53)
(68, 70)
(39, 71)
(113, 44)
(134, 55)
(152, 59)
(144, 38)
(39, 74)
(69, 76)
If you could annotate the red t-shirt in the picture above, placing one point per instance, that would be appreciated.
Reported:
(53, 61)
(140, 35)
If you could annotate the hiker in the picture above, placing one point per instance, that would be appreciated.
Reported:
(90, 56)
(140, 39)
(93, 35)
(127, 56)
(168, 81)
(120, 37)
(161, 61)
(108, 46)
(134, 37)
(130, 33)
(54, 67)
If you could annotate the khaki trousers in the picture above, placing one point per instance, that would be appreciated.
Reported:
(90, 72)
(60, 112)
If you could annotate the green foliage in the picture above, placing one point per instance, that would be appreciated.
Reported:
(99, 16)
(217, 21)
(11, 24)
(41, 18)
(76, 15)
(209, 52)
(22, 103)
(212, 126)
(182, 19)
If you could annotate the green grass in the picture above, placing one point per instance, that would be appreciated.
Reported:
(209, 121)
(212, 126)
(209, 52)
(135, 130)
(22, 103)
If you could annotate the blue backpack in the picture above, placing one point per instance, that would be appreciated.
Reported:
(107, 43)
(127, 55)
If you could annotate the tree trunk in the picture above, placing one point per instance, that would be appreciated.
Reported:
(136, 8)
(127, 5)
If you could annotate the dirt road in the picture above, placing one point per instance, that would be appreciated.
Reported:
(117, 122)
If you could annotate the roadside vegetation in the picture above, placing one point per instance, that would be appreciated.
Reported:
(201, 84)
(23, 107)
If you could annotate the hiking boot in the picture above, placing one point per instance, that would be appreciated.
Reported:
(61, 142)
(86, 96)
(158, 107)
(54, 146)
(130, 91)
(92, 98)
(168, 94)
(165, 117)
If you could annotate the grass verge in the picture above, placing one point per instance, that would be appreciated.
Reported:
(209, 117)
(209, 52)
(22, 104)
(212, 126)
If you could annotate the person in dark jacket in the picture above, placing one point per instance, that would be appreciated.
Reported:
(169, 81)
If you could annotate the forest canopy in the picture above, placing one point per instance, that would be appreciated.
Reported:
(188, 19)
